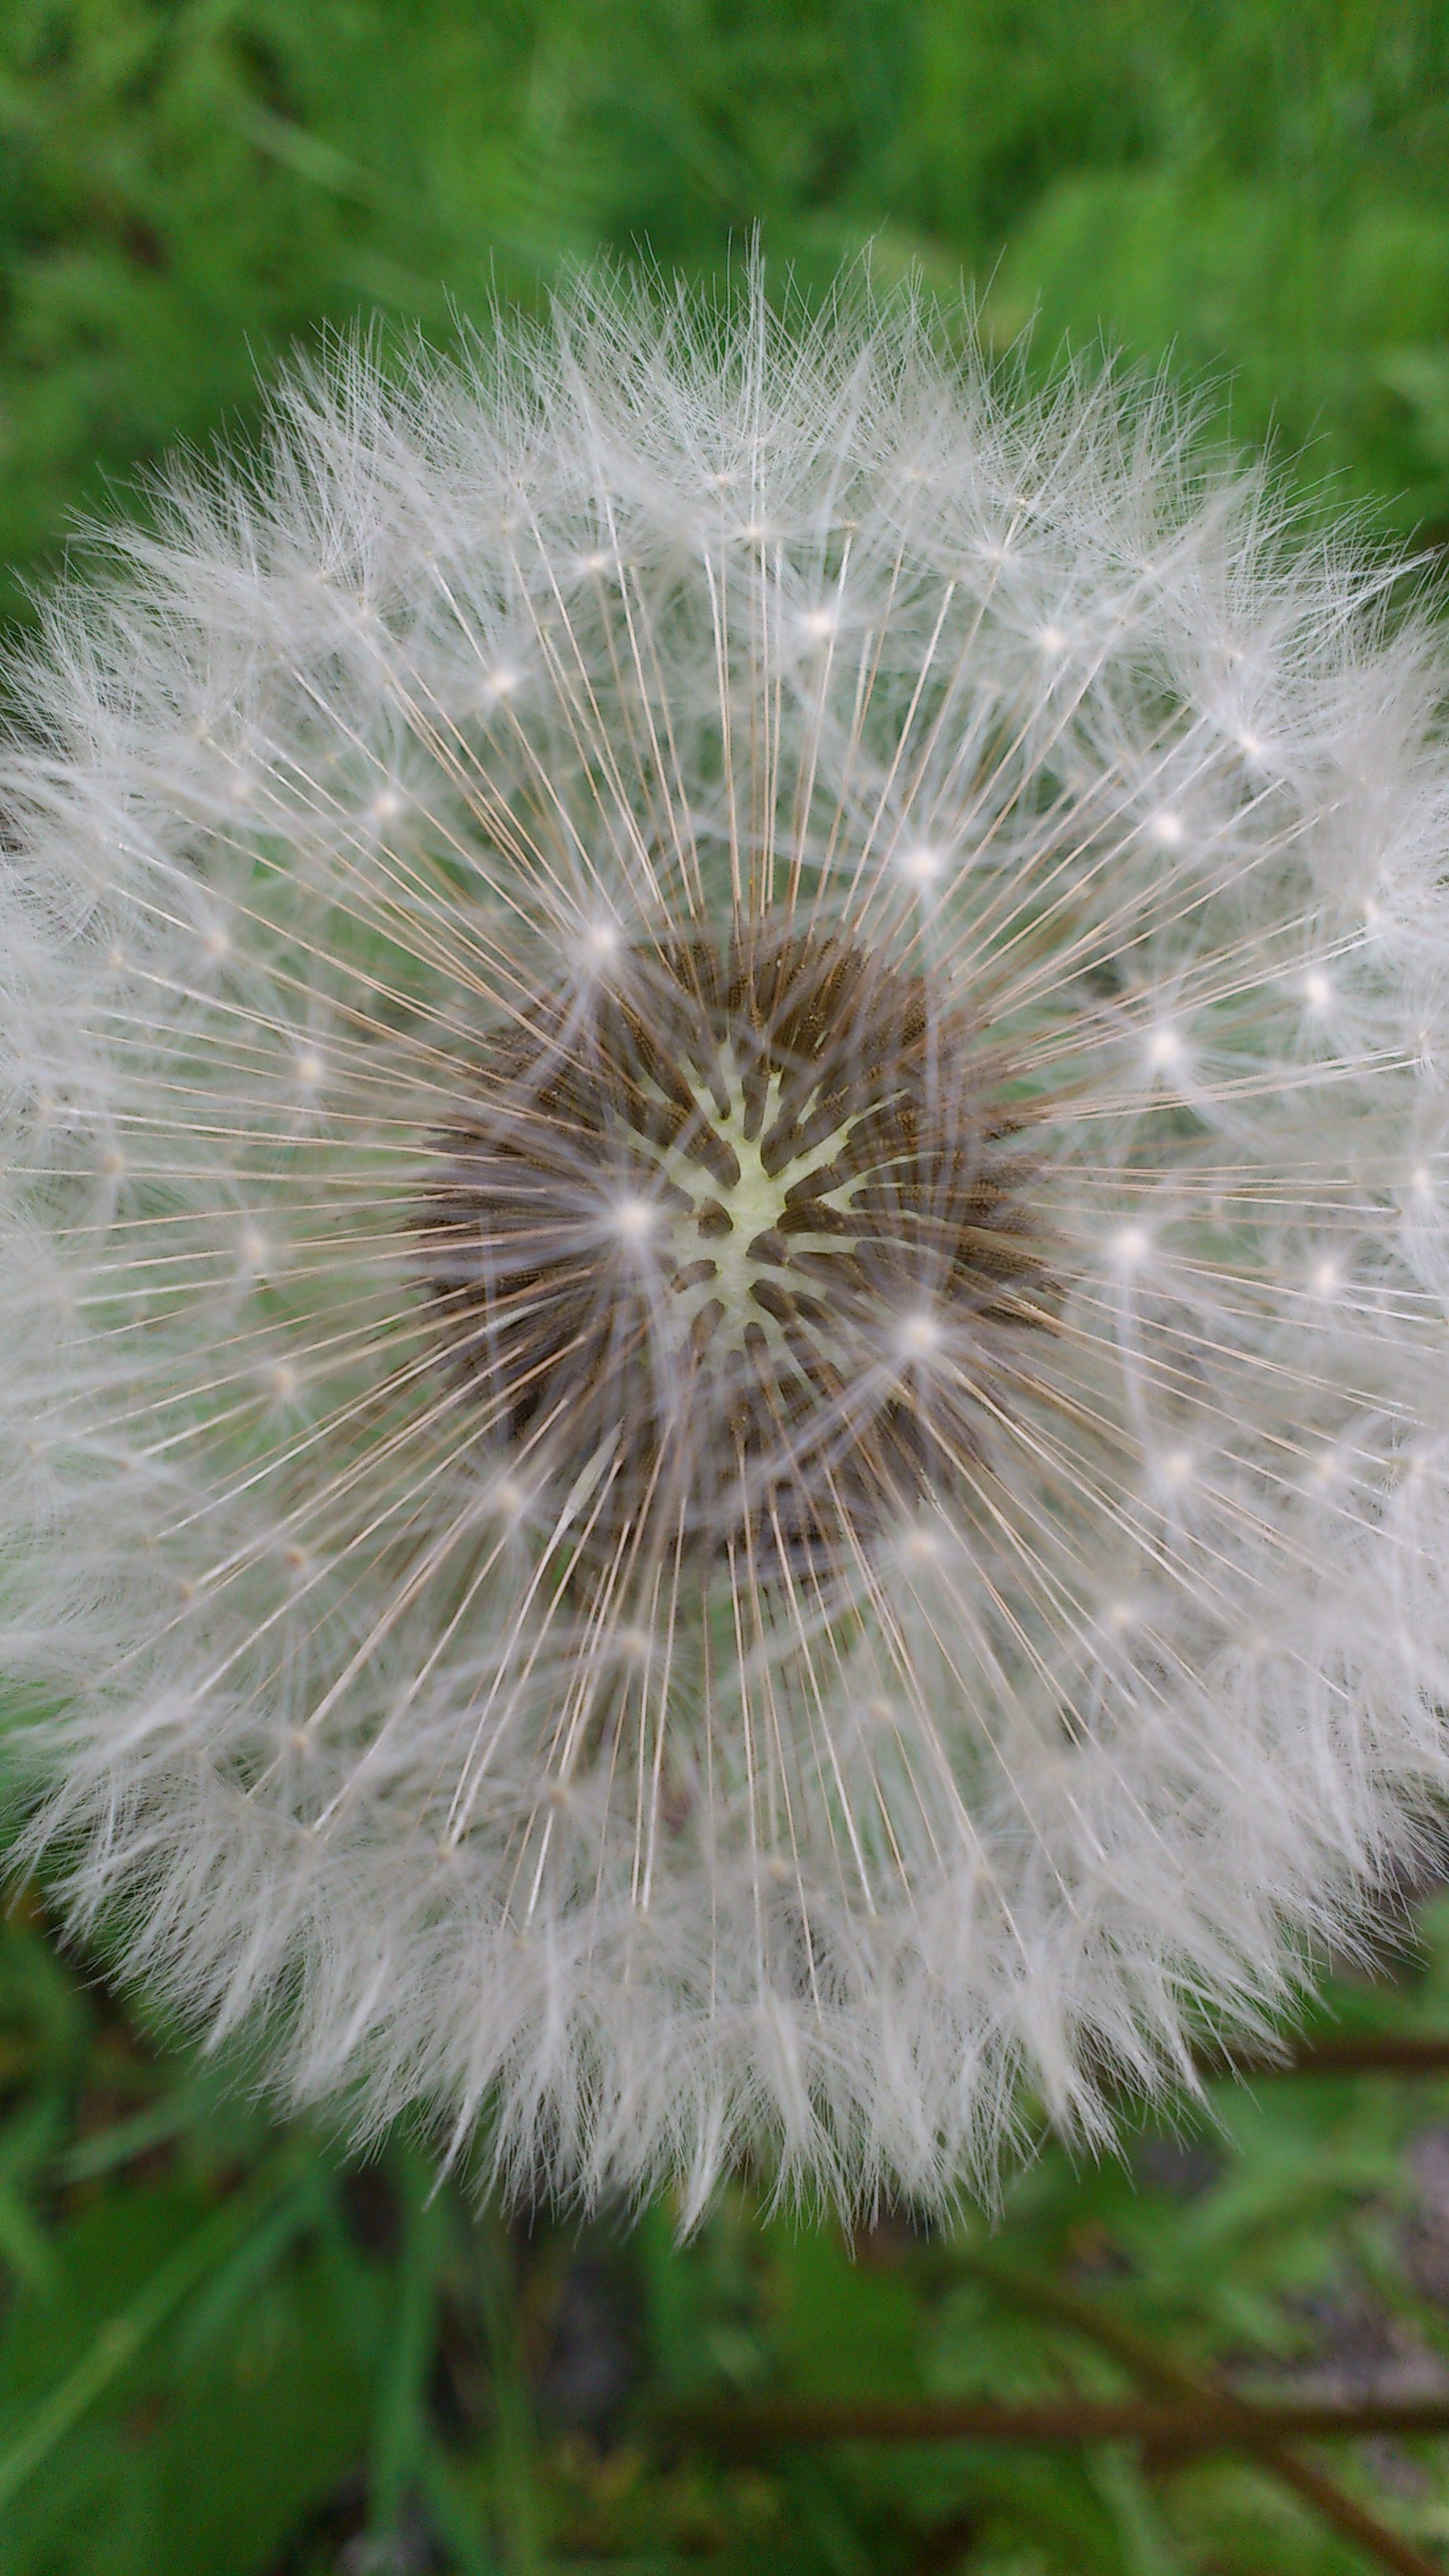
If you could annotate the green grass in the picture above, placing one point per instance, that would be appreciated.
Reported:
(1258, 187)
(226, 2349)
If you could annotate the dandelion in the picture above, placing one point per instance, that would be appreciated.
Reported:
(726, 1405)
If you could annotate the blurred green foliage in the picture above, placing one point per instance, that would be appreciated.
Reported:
(1259, 187)
(228, 2351)
(224, 2349)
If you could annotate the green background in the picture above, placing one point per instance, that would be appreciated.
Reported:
(224, 2348)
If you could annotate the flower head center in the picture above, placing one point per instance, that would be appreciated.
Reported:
(739, 1235)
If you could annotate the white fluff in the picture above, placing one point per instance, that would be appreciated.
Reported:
(472, 692)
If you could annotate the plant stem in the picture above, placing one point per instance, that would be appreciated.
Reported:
(1214, 2423)
(515, 2477)
(1147, 2361)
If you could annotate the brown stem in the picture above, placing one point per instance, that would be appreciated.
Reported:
(1336, 2506)
(1148, 2362)
(1350, 2052)
(1214, 2423)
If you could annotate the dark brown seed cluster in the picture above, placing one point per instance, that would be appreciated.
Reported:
(726, 1247)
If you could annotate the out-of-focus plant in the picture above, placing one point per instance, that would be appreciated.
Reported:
(184, 188)
(226, 2351)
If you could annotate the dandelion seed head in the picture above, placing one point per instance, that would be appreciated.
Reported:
(619, 1520)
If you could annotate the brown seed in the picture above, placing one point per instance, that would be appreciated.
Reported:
(745, 1228)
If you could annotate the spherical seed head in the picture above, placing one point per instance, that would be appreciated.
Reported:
(725, 1419)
